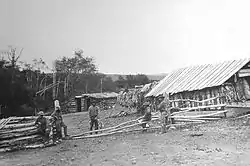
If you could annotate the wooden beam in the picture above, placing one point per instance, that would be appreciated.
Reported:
(195, 108)
(244, 73)
(132, 130)
(200, 116)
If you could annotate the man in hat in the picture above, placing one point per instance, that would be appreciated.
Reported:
(147, 115)
(42, 125)
(164, 108)
(57, 114)
(93, 115)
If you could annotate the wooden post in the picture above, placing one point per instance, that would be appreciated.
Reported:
(208, 96)
(194, 97)
(176, 103)
(58, 86)
(191, 96)
(54, 88)
(214, 101)
(65, 87)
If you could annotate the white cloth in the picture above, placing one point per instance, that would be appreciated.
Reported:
(56, 104)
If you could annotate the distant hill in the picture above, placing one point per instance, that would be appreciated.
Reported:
(155, 77)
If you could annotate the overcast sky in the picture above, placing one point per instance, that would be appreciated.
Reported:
(129, 36)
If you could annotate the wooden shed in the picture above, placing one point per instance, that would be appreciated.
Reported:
(84, 101)
(227, 82)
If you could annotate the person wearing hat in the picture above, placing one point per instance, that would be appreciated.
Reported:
(147, 115)
(42, 125)
(164, 108)
(93, 115)
(57, 115)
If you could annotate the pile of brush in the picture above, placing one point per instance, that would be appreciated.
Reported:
(18, 133)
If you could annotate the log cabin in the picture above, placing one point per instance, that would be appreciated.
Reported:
(226, 82)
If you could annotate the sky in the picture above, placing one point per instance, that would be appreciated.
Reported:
(128, 36)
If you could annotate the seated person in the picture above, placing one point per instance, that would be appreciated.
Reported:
(57, 114)
(56, 129)
(42, 126)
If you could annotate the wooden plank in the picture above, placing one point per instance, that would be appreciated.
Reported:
(196, 101)
(195, 108)
(19, 130)
(244, 74)
(17, 126)
(133, 130)
(244, 71)
(12, 135)
(14, 141)
(189, 120)
(200, 116)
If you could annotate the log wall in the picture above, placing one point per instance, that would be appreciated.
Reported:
(230, 92)
(18, 132)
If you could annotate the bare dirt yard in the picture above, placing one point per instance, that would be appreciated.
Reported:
(222, 143)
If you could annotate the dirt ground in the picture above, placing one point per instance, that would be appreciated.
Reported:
(222, 143)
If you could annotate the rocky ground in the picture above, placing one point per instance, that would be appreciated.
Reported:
(225, 142)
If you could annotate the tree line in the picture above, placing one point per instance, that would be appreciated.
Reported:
(26, 87)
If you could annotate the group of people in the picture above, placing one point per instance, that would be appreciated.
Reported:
(164, 108)
(51, 129)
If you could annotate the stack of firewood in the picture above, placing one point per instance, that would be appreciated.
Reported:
(18, 132)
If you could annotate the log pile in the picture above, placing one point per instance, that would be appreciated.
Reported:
(18, 133)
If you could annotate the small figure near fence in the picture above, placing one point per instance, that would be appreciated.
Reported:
(94, 116)
(164, 108)
(147, 116)
(42, 126)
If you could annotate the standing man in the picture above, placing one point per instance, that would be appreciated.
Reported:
(164, 108)
(147, 115)
(93, 115)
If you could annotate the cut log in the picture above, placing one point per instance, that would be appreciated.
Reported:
(132, 125)
(14, 148)
(24, 118)
(196, 108)
(19, 130)
(200, 116)
(132, 130)
(206, 118)
(20, 140)
(196, 101)
(116, 128)
(11, 135)
(188, 120)
(106, 129)
(17, 126)
(16, 135)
